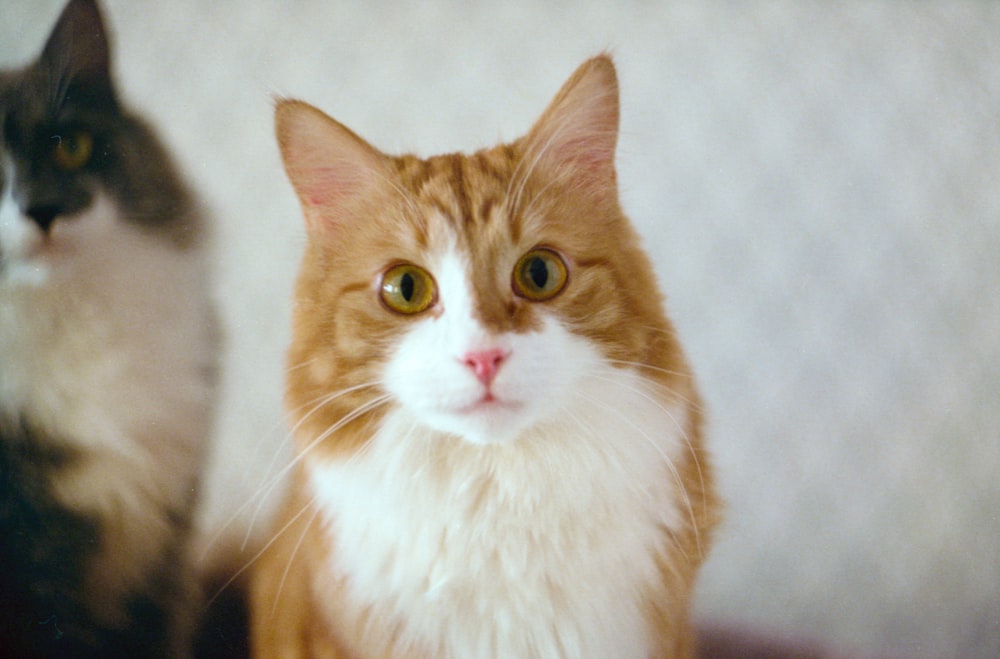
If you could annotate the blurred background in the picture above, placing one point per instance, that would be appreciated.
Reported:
(819, 186)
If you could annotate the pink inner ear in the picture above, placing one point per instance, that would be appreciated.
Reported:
(590, 156)
(579, 129)
(327, 164)
(326, 186)
(325, 191)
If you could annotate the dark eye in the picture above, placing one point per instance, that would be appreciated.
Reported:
(73, 150)
(408, 289)
(539, 275)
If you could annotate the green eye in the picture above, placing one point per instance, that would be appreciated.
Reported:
(74, 150)
(539, 275)
(408, 289)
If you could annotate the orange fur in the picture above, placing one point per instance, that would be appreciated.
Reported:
(364, 210)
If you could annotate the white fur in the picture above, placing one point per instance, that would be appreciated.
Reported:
(20, 239)
(104, 342)
(502, 533)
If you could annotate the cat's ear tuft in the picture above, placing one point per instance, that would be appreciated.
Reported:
(579, 129)
(327, 164)
(78, 46)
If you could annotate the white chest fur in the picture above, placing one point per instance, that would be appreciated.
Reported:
(111, 345)
(541, 547)
(107, 350)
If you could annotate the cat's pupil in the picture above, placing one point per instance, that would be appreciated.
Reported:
(67, 144)
(406, 286)
(538, 272)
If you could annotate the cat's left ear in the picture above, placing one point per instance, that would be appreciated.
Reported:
(328, 165)
(578, 132)
(77, 49)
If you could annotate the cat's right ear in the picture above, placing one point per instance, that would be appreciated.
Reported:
(78, 48)
(328, 165)
(578, 131)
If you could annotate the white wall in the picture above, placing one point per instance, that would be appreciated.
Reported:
(819, 186)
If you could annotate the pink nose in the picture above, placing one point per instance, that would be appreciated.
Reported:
(485, 363)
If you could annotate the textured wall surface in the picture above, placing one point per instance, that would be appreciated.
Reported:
(819, 186)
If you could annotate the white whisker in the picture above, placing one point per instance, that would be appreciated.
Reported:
(274, 538)
(354, 414)
(295, 551)
(665, 371)
(652, 442)
(263, 494)
(403, 193)
(367, 407)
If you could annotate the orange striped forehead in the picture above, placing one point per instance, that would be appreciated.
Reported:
(464, 191)
(468, 203)
(491, 207)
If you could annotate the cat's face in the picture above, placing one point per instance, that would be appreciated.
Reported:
(459, 371)
(73, 164)
(57, 118)
(473, 319)
(475, 292)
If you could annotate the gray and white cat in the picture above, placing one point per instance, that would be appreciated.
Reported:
(107, 363)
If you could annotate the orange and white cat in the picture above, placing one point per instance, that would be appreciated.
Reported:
(498, 436)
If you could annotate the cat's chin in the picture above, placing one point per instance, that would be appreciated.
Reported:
(45, 265)
(33, 273)
(488, 405)
(22, 255)
(484, 422)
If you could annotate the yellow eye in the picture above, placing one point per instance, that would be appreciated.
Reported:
(72, 151)
(539, 275)
(408, 289)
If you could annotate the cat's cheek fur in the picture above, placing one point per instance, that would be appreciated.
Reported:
(19, 238)
(465, 550)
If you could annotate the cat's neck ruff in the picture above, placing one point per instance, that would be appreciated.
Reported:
(105, 353)
(98, 349)
(544, 546)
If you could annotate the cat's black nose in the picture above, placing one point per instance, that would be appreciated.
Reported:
(44, 215)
